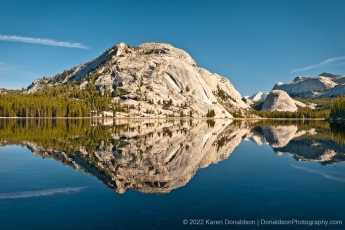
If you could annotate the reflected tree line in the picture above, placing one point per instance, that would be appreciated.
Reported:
(163, 154)
(64, 133)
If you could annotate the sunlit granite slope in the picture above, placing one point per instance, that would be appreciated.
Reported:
(259, 96)
(278, 100)
(324, 85)
(156, 77)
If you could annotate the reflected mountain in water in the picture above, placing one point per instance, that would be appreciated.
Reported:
(320, 143)
(157, 156)
(151, 156)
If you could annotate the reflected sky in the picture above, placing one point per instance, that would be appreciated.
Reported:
(46, 192)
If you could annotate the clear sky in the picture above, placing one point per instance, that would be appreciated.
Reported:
(253, 43)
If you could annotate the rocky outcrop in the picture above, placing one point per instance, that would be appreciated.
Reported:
(337, 91)
(259, 96)
(337, 78)
(278, 100)
(306, 86)
(324, 85)
(156, 77)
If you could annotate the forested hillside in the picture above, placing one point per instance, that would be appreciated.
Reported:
(338, 108)
(61, 101)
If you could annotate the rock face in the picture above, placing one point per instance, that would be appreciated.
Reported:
(259, 96)
(337, 78)
(324, 85)
(337, 91)
(278, 100)
(153, 73)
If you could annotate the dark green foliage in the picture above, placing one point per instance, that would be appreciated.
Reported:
(223, 95)
(302, 113)
(338, 132)
(324, 130)
(61, 101)
(11, 91)
(118, 92)
(118, 107)
(301, 124)
(66, 134)
(237, 114)
(210, 113)
(210, 123)
(167, 131)
(150, 51)
(338, 108)
(63, 134)
(257, 105)
(150, 111)
(40, 106)
(191, 113)
(167, 104)
(224, 99)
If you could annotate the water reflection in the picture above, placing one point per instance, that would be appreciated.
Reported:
(324, 173)
(157, 156)
(152, 156)
(303, 140)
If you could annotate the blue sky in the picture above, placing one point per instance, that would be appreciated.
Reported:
(253, 43)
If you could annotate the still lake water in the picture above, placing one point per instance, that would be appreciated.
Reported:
(170, 174)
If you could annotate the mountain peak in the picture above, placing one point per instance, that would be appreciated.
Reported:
(279, 100)
(309, 86)
(156, 79)
(331, 75)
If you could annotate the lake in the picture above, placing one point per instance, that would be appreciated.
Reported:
(171, 174)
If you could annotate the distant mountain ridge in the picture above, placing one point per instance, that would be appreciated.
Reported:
(259, 96)
(155, 77)
(324, 85)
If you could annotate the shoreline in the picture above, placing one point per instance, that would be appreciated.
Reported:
(170, 118)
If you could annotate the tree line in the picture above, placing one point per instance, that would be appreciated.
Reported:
(338, 108)
(61, 101)
(322, 110)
